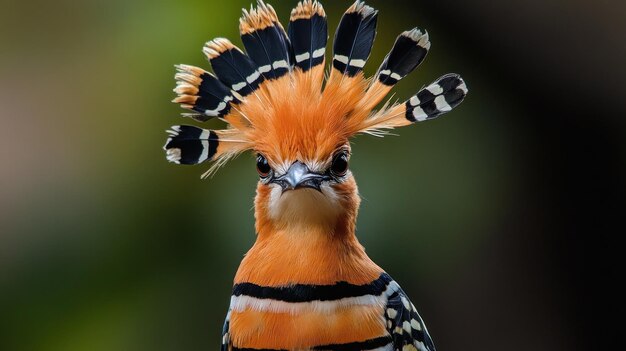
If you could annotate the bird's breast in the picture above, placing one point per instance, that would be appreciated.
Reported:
(308, 289)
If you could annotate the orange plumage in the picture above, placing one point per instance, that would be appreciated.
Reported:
(262, 330)
(307, 282)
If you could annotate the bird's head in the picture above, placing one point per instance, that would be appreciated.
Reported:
(279, 104)
(302, 158)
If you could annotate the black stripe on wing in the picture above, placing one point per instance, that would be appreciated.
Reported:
(308, 32)
(306, 293)
(265, 41)
(354, 39)
(201, 92)
(189, 145)
(440, 97)
(234, 68)
(407, 53)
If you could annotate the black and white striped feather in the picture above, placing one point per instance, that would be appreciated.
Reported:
(404, 324)
(189, 145)
(354, 39)
(234, 68)
(226, 333)
(308, 32)
(407, 53)
(439, 97)
(265, 41)
(203, 93)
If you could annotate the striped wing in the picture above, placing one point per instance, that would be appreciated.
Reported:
(225, 334)
(406, 327)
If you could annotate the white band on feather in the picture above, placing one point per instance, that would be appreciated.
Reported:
(442, 104)
(415, 101)
(280, 64)
(239, 86)
(435, 89)
(354, 62)
(396, 76)
(265, 69)
(303, 57)
(393, 75)
(319, 52)
(358, 63)
(253, 77)
(214, 113)
(419, 114)
(343, 59)
(205, 150)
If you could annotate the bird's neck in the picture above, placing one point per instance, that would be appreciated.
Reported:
(307, 252)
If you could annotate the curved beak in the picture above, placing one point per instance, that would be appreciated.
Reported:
(299, 176)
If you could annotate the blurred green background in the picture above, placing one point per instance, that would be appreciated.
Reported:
(106, 246)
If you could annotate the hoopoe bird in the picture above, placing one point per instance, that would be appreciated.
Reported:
(307, 283)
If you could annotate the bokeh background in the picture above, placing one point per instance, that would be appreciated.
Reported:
(501, 220)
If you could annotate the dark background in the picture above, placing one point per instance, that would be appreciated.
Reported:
(502, 220)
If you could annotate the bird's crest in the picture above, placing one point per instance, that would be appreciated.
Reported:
(277, 100)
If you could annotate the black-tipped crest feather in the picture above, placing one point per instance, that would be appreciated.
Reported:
(234, 68)
(308, 32)
(203, 93)
(354, 39)
(439, 97)
(265, 41)
(409, 50)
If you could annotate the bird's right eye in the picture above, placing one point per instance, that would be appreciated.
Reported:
(339, 167)
(262, 166)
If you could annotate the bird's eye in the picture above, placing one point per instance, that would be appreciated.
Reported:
(339, 167)
(263, 167)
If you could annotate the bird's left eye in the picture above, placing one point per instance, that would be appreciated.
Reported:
(339, 167)
(263, 167)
